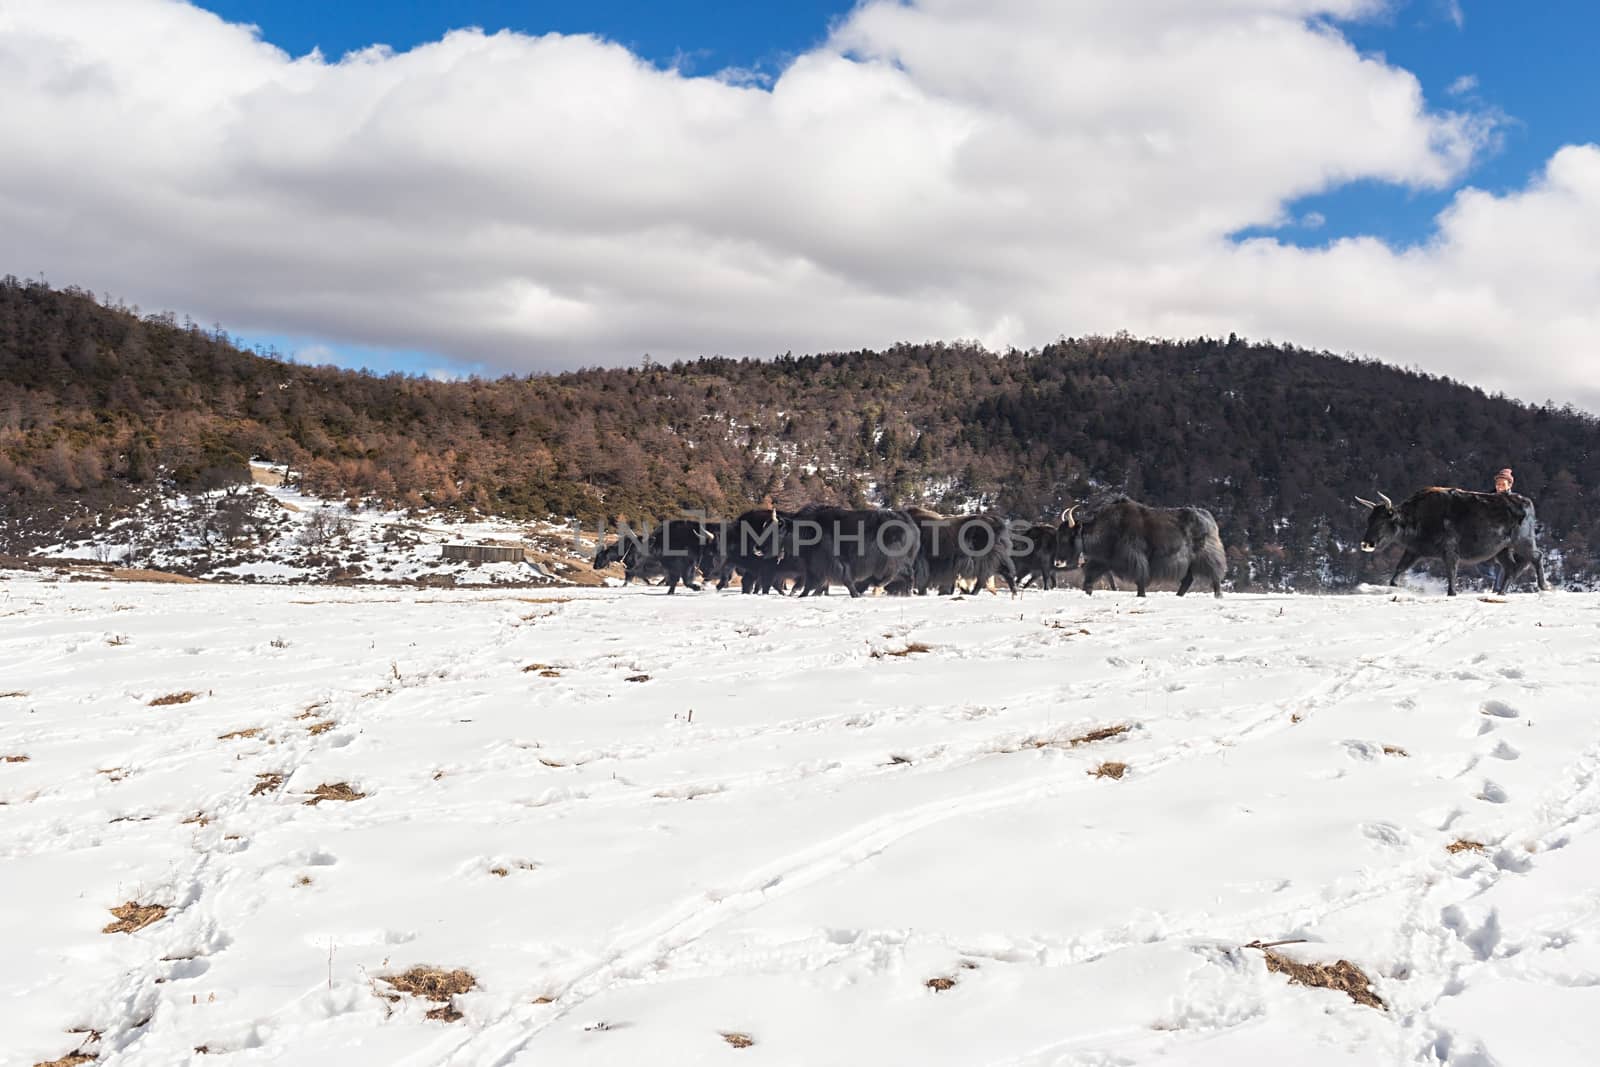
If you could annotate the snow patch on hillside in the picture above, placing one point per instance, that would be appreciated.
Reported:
(272, 532)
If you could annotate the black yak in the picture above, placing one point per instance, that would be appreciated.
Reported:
(1457, 526)
(1140, 544)
(857, 548)
(974, 548)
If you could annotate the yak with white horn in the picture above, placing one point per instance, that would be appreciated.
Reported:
(1141, 544)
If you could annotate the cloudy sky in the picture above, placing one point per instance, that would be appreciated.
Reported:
(577, 184)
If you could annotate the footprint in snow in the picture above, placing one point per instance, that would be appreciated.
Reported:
(1493, 793)
(1499, 709)
(1505, 750)
(1386, 833)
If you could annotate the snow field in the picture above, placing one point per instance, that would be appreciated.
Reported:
(833, 827)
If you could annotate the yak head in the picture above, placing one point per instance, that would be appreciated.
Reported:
(1069, 538)
(1383, 524)
(606, 555)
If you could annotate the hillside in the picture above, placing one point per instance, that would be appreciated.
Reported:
(98, 403)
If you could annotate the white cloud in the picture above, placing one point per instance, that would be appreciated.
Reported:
(951, 168)
(1463, 85)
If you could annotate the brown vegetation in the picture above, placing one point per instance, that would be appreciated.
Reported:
(334, 791)
(1342, 975)
(173, 698)
(134, 916)
(915, 648)
(1110, 769)
(437, 985)
(71, 1059)
(267, 782)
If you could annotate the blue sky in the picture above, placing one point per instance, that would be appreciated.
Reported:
(701, 37)
(1520, 60)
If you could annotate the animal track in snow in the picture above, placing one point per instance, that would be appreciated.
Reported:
(1493, 793)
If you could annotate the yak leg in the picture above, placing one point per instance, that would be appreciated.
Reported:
(1092, 573)
(1452, 560)
(1506, 570)
(1216, 588)
(1407, 558)
(1188, 580)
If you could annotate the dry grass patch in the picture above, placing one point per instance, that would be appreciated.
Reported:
(737, 1039)
(71, 1059)
(941, 983)
(1341, 975)
(334, 791)
(1088, 737)
(267, 782)
(16, 759)
(235, 735)
(199, 818)
(173, 698)
(1464, 845)
(134, 916)
(138, 574)
(1113, 769)
(638, 678)
(113, 774)
(13, 693)
(435, 984)
(544, 599)
(303, 880)
(1395, 750)
(915, 648)
(322, 727)
(543, 670)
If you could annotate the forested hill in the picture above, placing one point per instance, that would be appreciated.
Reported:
(97, 402)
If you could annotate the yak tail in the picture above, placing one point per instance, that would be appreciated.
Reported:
(1209, 558)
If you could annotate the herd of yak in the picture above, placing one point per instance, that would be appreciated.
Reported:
(913, 550)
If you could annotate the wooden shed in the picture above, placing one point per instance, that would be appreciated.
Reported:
(484, 553)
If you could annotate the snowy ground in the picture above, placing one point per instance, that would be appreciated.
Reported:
(833, 827)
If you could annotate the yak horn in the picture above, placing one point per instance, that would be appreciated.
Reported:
(1363, 500)
(1066, 516)
(1386, 501)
